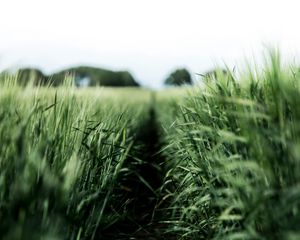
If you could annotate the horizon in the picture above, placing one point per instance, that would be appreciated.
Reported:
(149, 39)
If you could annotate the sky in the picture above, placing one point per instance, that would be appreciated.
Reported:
(148, 38)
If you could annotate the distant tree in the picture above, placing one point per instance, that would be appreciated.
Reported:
(83, 76)
(97, 77)
(179, 77)
(126, 79)
(26, 75)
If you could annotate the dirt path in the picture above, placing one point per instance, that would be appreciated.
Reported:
(141, 188)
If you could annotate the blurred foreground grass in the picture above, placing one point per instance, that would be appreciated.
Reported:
(61, 154)
(233, 149)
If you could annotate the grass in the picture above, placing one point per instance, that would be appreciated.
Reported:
(216, 161)
(61, 153)
(233, 148)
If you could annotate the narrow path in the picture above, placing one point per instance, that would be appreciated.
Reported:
(141, 186)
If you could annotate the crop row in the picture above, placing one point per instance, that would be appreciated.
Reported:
(233, 149)
(62, 153)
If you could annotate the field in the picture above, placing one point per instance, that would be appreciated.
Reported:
(216, 161)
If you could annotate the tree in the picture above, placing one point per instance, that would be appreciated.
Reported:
(98, 76)
(179, 77)
(82, 75)
(25, 75)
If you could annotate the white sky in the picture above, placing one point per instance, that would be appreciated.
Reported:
(149, 38)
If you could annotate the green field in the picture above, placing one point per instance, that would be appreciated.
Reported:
(216, 161)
